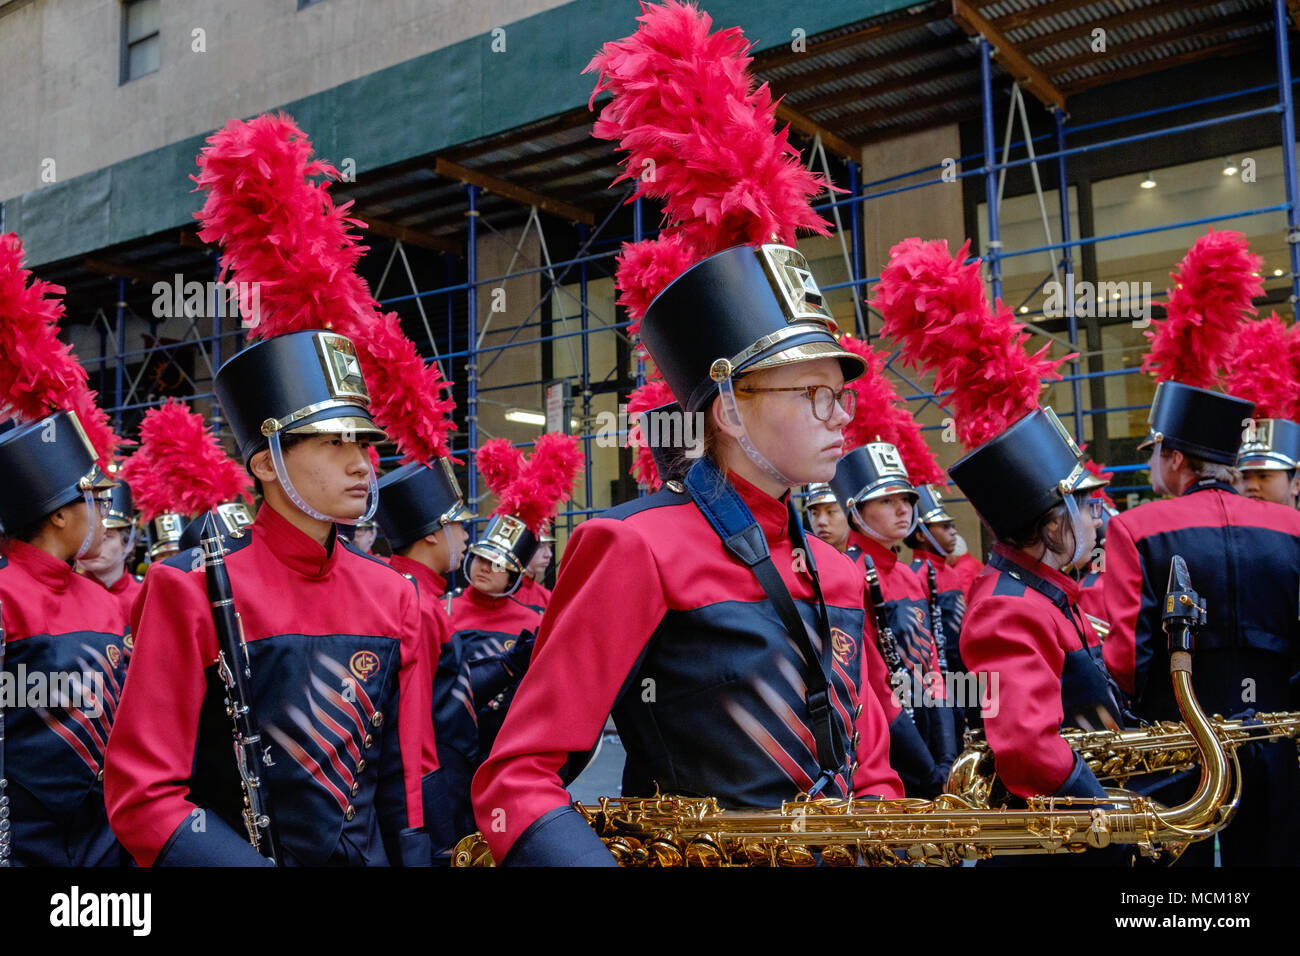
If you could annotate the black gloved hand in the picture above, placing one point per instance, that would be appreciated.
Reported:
(519, 655)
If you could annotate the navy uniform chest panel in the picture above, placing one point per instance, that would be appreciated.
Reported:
(325, 704)
(60, 695)
(1249, 578)
(910, 620)
(455, 722)
(717, 704)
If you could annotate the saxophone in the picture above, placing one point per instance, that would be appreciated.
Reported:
(667, 830)
(1116, 756)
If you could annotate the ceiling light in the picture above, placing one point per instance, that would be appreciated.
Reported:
(1024, 309)
(1229, 168)
(1277, 272)
(1148, 183)
(525, 417)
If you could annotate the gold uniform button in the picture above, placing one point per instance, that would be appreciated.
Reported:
(377, 718)
(361, 765)
(100, 776)
(368, 742)
(856, 738)
(356, 788)
(350, 812)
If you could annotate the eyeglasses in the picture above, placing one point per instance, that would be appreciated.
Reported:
(822, 397)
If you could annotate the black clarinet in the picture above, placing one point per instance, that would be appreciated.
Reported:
(232, 665)
(4, 782)
(936, 621)
(885, 638)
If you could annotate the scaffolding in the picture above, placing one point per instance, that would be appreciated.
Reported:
(459, 344)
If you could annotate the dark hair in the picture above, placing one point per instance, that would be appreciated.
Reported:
(287, 442)
(1036, 532)
(1202, 468)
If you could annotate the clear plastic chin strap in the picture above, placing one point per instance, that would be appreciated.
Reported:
(454, 553)
(277, 459)
(732, 412)
(860, 523)
(92, 516)
(1080, 530)
(925, 530)
(469, 559)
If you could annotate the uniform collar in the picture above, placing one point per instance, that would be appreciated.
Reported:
(883, 558)
(425, 576)
(1209, 484)
(929, 557)
(486, 601)
(121, 584)
(771, 513)
(1058, 579)
(40, 564)
(293, 548)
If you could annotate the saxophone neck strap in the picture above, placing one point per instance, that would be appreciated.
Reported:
(742, 535)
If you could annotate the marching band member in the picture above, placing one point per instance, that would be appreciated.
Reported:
(53, 498)
(339, 677)
(1023, 629)
(703, 637)
(872, 486)
(1244, 556)
(421, 511)
(531, 590)
(826, 518)
(490, 618)
(110, 567)
(62, 634)
(1269, 461)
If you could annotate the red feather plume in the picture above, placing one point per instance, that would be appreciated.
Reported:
(1259, 368)
(278, 227)
(653, 394)
(934, 306)
(40, 375)
(881, 412)
(1099, 471)
(531, 487)
(180, 466)
(699, 135)
(1214, 286)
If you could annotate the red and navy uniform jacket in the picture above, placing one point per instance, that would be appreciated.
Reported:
(1243, 557)
(1020, 638)
(63, 639)
(1092, 594)
(952, 600)
(532, 593)
(488, 629)
(652, 619)
(127, 589)
(340, 686)
(968, 568)
(447, 810)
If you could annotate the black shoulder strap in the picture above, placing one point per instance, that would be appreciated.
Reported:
(731, 519)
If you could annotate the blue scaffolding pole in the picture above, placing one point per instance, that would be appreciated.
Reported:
(1288, 145)
(471, 362)
(990, 167)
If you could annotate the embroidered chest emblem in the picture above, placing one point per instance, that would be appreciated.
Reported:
(114, 655)
(365, 664)
(843, 646)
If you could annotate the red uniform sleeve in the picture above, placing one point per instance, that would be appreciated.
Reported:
(875, 675)
(1122, 588)
(436, 630)
(1004, 638)
(150, 751)
(606, 605)
(415, 704)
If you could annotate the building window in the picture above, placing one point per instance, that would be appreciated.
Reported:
(140, 42)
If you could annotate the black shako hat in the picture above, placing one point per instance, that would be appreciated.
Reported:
(1018, 475)
(303, 382)
(45, 465)
(740, 310)
(1198, 422)
(1270, 444)
(121, 509)
(506, 543)
(869, 471)
(419, 499)
(930, 507)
